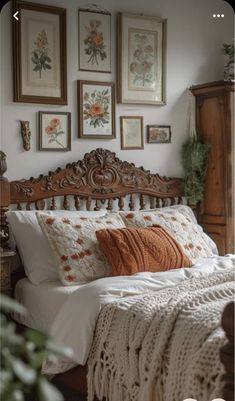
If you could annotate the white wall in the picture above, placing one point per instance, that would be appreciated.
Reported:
(194, 40)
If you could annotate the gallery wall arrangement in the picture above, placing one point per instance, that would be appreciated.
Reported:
(40, 73)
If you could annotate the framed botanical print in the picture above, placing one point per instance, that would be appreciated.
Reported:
(54, 131)
(94, 41)
(158, 133)
(96, 102)
(132, 132)
(39, 53)
(141, 59)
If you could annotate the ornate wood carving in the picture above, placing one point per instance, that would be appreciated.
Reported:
(99, 175)
(227, 352)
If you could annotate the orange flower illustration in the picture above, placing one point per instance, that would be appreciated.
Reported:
(53, 129)
(97, 110)
(94, 43)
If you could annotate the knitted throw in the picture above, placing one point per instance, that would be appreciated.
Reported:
(162, 346)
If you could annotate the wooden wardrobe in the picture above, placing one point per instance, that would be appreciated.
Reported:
(215, 126)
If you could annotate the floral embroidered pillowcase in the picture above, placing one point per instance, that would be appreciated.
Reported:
(75, 245)
(188, 234)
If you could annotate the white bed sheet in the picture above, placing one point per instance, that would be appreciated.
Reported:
(74, 325)
(42, 302)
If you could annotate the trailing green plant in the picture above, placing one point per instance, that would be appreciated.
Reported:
(228, 50)
(22, 355)
(195, 159)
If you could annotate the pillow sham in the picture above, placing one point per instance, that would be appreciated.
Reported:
(36, 255)
(79, 258)
(188, 213)
(187, 234)
(132, 250)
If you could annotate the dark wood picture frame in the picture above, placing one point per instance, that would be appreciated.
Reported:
(96, 114)
(96, 48)
(124, 146)
(28, 94)
(52, 130)
(152, 133)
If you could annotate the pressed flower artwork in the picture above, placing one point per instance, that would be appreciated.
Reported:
(94, 41)
(97, 111)
(54, 131)
(40, 57)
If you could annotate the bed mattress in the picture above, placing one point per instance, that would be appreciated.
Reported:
(41, 301)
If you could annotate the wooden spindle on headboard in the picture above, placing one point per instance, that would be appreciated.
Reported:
(76, 202)
(131, 203)
(5, 201)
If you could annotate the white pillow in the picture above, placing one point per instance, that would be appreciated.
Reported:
(188, 234)
(37, 257)
(188, 213)
(76, 247)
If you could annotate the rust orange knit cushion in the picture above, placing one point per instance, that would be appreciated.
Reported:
(132, 250)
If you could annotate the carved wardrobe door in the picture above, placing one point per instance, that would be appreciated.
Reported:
(215, 125)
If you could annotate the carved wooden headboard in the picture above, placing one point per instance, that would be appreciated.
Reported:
(100, 177)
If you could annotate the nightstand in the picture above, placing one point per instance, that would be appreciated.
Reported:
(6, 257)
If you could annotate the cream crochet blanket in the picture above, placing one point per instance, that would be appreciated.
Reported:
(162, 346)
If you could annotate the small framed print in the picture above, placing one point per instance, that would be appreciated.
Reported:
(158, 133)
(94, 40)
(132, 132)
(39, 53)
(141, 59)
(54, 131)
(96, 111)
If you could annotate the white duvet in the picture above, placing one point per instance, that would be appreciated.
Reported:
(74, 324)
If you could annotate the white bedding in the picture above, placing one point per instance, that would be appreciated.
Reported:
(74, 324)
(42, 302)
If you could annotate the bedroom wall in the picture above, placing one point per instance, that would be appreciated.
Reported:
(194, 40)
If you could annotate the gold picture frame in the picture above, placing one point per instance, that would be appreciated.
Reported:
(39, 53)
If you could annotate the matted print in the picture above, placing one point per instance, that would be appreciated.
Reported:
(141, 59)
(94, 41)
(54, 131)
(96, 109)
(39, 54)
(132, 132)
(159, 133)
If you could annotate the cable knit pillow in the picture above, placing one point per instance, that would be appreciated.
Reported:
(132, 250)
(76, 248)
(185, 231)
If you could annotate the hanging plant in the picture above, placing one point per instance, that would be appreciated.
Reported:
(195, 160)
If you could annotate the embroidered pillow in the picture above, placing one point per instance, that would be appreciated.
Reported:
(186, 233)
(132, 250)
(35, 252)
(75, 245)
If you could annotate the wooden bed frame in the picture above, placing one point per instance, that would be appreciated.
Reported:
(100, 179)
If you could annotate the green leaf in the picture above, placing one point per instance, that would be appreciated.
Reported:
(37, 337)
(9, 305)
(48, 392)
(47, 66)
(35, 55)
(25, 373)
(38, 359)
